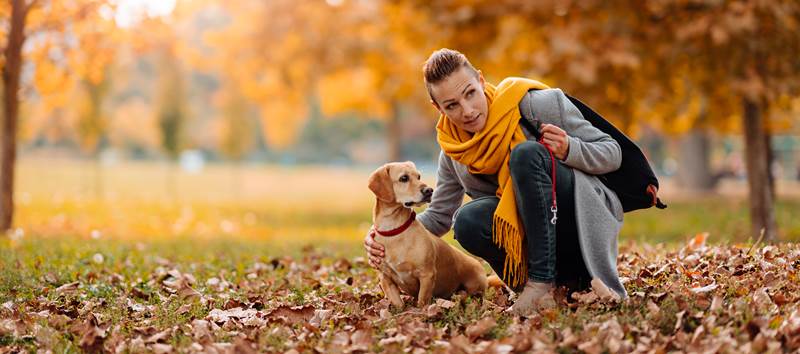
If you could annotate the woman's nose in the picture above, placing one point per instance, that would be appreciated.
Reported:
(469, 113)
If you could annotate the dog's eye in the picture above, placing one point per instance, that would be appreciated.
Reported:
(404, 178)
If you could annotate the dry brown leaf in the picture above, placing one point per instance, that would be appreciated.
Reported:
(445, 304)
(160, 348)
(68, 288)
(704, 289)
(460, 344)
(361, 340)
(480, 328)
(652, 308)
(292, 315)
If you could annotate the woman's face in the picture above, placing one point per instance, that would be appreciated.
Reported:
(460, 97)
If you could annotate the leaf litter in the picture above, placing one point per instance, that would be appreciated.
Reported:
(700, 298)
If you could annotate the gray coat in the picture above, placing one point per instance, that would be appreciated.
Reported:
(598, 211)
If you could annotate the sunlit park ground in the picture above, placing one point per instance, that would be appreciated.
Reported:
(146, 257)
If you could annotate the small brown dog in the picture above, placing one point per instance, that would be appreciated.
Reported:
(416, 261)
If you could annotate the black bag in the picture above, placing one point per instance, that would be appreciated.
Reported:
(634, 182)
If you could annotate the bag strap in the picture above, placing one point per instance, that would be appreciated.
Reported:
(533, 129)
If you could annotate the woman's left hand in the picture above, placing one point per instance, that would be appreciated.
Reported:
(557, 139)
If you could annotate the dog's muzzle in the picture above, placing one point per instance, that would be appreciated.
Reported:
(427, 193)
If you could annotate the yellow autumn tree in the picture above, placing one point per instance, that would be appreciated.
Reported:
(384, 78)
(52, 23)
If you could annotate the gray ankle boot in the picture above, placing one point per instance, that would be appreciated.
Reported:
(535, 296)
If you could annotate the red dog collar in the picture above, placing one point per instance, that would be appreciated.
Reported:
(399, 230)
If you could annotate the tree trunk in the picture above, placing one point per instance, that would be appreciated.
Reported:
(172, 180)
(770, 161)
(393, 141)
(694, 163)
(11, 79)
(762, 213)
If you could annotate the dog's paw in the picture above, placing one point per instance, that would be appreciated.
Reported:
(495, 282)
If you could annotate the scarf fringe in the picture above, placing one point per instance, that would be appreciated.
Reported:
(508, 236)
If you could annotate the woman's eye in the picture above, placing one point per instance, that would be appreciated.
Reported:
(403, 178)
(469, 93)
(450, 106)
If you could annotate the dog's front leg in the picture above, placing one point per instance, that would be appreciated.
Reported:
(391, 291)
(425, 289)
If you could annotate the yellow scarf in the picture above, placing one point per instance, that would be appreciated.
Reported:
(487, 152)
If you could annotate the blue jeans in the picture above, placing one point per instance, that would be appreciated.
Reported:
(553, 251)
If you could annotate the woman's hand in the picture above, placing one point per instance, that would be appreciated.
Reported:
(557, 139)
(375, 250)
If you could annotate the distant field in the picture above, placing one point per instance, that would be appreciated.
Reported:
(291, 206)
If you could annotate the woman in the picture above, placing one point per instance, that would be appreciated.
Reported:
(538, 215)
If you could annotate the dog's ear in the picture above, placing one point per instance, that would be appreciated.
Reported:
(380, 183)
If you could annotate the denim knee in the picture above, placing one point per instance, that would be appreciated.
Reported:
(527, 152)
(466, 230)
(469, 225)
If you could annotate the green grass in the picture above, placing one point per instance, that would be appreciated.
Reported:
(725, 220)
(262, 276)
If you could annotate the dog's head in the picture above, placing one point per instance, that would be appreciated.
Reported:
(399, 182)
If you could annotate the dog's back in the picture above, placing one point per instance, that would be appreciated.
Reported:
(455, 270)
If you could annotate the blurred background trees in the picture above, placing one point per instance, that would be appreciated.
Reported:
(700, 84)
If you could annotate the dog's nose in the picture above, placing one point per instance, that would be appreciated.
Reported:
(427, 191)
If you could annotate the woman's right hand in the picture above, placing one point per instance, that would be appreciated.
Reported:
(375, 250)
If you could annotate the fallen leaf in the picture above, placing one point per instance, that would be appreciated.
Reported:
(704, 289)
(480, 328)
(68, 288)
(445, 304)
(292, 315)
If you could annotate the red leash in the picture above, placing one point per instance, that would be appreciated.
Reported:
(554, 208)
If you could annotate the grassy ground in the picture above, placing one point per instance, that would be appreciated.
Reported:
(247, 258)
(77, 294)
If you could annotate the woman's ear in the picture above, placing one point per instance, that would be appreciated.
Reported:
(380, 183)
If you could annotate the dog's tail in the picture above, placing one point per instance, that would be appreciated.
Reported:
(495, 282)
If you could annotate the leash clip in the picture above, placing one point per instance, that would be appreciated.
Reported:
(554, 209)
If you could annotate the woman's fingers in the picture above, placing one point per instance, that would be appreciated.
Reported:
(373, 246)
(554, 144)
(558, 146)
(552, 129)
(375, 250)
(554, 136)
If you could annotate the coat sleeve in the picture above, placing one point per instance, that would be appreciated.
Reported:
(447, 198)
(590, 149)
